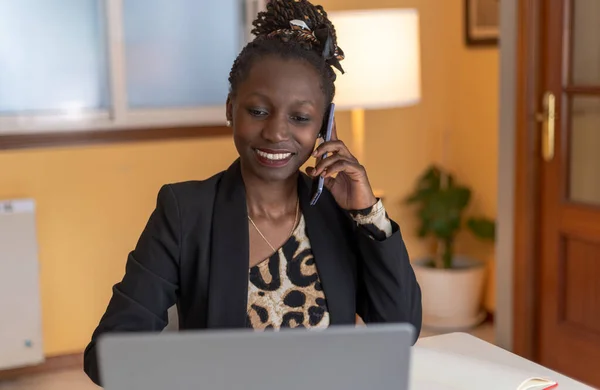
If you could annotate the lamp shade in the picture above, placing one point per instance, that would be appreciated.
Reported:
(382, 65)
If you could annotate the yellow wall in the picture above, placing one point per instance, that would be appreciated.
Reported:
(94, 201)
(92, 204)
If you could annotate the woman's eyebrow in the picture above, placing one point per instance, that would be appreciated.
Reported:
(298, 102)
(304, 102)
(258, 94)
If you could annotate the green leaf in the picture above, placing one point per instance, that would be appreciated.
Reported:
(423, 231)
(443, 212)
(482, 228)
(427, 185)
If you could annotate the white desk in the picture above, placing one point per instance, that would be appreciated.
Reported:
(465, 345)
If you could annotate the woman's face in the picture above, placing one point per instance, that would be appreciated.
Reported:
(277, 113)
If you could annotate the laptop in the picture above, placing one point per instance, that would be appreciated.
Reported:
(339, 358)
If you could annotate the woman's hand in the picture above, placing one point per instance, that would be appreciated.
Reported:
(344, 177)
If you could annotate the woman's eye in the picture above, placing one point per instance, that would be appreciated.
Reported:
(257, 112)
(299, 118)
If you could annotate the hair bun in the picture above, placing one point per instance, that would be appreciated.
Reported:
(302, 22)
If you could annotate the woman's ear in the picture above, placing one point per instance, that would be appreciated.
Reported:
(323, 129)
(229, 109)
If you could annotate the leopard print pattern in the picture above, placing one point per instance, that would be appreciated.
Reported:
(285, 290)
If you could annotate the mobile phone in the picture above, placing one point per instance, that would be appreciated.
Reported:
(318, 182)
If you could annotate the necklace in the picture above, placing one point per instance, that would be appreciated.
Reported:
(292, 231)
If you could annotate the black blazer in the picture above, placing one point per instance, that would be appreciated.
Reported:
(193, 252)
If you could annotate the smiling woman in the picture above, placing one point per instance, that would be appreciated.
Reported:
(244, 248)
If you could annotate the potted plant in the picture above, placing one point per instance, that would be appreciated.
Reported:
(452, 284)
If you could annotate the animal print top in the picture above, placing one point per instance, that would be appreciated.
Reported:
(285, 290)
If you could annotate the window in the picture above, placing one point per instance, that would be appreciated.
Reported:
(178, 53)
(52, 56)
(85, 65)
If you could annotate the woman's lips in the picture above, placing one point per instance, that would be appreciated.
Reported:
(273, 158)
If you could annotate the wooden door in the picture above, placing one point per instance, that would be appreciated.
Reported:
(569, 237)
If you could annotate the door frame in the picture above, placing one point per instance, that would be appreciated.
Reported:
(527, 179)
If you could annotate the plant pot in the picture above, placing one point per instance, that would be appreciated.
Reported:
(451, 298)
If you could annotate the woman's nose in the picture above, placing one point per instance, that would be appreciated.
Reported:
(276, 129)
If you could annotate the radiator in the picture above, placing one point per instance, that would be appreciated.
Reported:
(20, 311)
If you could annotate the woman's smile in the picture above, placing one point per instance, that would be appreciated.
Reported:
(273, 158)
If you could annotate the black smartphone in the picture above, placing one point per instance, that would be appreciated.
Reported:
(318, 182)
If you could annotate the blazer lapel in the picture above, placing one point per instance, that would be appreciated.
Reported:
(331, 252)
(229, 263)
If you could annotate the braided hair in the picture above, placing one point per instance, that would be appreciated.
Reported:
(275, 36)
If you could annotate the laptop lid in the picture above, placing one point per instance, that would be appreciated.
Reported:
(374, 357)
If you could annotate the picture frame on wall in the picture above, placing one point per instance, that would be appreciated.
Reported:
(482, 22)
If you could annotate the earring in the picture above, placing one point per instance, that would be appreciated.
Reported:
(228, 123)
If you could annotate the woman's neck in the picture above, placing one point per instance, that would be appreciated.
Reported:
(270, 199)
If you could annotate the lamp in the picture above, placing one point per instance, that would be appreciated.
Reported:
(382, 64)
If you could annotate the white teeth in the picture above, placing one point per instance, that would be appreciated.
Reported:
(275, 157)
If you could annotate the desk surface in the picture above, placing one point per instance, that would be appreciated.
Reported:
(472, 347)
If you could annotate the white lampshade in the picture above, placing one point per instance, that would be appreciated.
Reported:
(382, 62)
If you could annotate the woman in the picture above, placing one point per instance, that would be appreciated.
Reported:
(245, 248)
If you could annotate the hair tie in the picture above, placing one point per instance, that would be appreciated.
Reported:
(322, 35)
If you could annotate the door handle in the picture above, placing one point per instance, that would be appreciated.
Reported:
(548, 119)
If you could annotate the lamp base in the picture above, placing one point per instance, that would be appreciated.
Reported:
(358, 141)
(358, 134)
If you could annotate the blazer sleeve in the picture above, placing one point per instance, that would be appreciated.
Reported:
(388, 290)
(150, 285)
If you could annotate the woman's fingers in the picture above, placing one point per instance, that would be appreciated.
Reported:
(337, 147)
(326, 163)
(349, 167)
(324, 167)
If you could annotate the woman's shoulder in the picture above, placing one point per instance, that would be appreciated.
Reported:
(194, 192)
